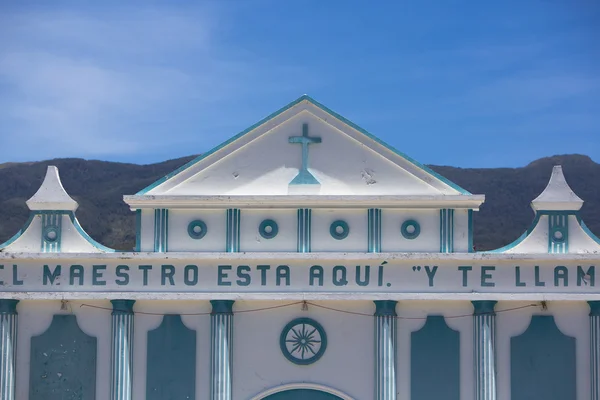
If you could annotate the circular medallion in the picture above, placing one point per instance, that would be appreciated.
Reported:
(558, 234)
(410, 229)
(303, 341)
(51, 233)
(197, 229)
(339, 230)
(268, 229)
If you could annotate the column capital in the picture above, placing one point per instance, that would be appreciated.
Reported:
(222, 306)
(484, 307)
(385, 308)
(122, 306)
(8, 306)
(594, 308)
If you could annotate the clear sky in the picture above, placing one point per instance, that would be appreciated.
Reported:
(463, 83)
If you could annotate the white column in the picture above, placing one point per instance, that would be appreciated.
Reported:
(221, 342)
(595, 349)
(8, 348)
(385, 349)
(484, 342)
(122, 350)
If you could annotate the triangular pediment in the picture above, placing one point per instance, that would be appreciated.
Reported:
(304, 148)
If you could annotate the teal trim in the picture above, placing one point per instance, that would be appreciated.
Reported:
(446, 230)
(8, 348)
(303, 341)
(51, 231)
(20, 232)
(161, 230)
(385, 308)
(302, 394)
(594, 308)
(63, 362)
(343, 227)
(586, 229)
(282, 110)
(509, 246)
(122, 343)
(484, 348)
(87, 237)
(386, 346)
(8, 306)
(197, 229)
(558, 233)
(595, 349)
(435, 351)
(374, 227)
(304, 177)
(171, 361)
(138, 230)
(221, 350)
(470, 247)
(268, 224)
(410, 235)
(222, 307)
(304, 230)
(543, 362)
(233, 230)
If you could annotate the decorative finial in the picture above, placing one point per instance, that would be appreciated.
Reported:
(557, 196)
(51, 196)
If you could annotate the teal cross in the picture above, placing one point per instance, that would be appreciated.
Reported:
(304, 177)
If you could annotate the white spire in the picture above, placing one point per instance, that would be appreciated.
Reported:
(51, 196)
(557, 196)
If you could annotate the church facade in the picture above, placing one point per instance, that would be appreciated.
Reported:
(302, 259)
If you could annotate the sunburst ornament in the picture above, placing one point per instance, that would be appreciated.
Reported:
(303, 341)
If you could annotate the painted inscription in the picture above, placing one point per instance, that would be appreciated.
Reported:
(382, 277)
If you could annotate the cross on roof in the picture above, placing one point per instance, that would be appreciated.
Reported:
(304, 177)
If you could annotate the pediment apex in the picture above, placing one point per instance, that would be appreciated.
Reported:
(422, 179)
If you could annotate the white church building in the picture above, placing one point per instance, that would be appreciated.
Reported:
(301, 259)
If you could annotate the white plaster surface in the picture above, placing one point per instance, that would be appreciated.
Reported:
(347, 365)
(356, 241)
(215, 238)
(427, 241)
(285, 240)
(145, 323)
(464, 325)
(572, 320)
(51, 195)
(269, 163)
(557, 195)
(35, 317)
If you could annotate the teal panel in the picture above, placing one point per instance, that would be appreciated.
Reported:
(63, 362)
(171, 368)
(542, 362)
(435, 357)
(302, 394)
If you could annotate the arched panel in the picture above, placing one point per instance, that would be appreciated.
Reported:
(171, 370)
(302, 394)
(542, 362)
(63, 362)
(435, 357)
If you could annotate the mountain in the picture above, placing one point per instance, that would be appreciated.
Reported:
(98, 187)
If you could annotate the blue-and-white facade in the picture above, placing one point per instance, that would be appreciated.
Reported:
(301, 259)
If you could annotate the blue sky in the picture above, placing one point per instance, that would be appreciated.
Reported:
(463, 83)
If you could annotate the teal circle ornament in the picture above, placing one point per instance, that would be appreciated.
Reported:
(303, 341)
(339, 230)
(558, 234)
(197, 229)
(51, 233)
(410, 229)
(268, 229)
